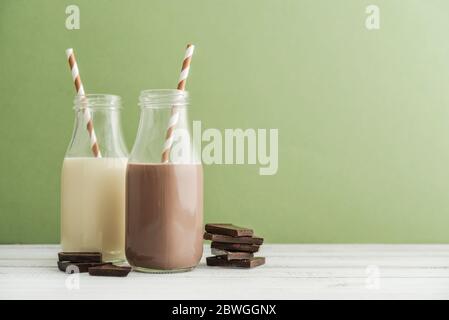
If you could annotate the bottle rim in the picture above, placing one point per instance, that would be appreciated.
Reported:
(163, 98)
(97, 101)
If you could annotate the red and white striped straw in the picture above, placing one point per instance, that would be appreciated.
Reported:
(80, 92)
(175, 112)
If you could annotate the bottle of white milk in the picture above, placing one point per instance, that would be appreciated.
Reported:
(93, 180)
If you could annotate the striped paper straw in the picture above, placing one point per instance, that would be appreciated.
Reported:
(80, 92)
(175, 112)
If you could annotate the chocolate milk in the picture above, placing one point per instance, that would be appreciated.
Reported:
(164, 216)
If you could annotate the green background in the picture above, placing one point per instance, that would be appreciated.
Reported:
(363, 116)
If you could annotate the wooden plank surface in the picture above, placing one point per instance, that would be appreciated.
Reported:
(291, 272)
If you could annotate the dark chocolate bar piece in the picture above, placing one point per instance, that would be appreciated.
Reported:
(109, 271)
(80, 267)
(235, 246)
(80, 256)
(246, 263)
(228, 229)
(229, 239)
(231, 255)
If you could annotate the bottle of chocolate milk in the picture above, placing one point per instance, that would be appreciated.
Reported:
(164, 188)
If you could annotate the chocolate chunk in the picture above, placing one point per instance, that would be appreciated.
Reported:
(80, 256)
(232, 255)
(229, 239)
(109, 271)
(80, 267)
(246, 263)
(228, 229)
(235, 246)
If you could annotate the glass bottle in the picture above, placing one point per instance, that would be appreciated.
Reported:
(93, 186)
(164, 198)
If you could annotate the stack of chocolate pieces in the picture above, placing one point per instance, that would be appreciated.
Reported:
(92, 262)
(233, 246)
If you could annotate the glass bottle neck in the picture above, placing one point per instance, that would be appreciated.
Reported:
(97, 121)
(164, 129)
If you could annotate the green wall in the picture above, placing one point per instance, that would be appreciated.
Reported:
(363, 116)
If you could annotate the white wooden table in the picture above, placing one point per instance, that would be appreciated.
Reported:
(291, 272)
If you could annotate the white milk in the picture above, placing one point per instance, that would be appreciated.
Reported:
(93, 206)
